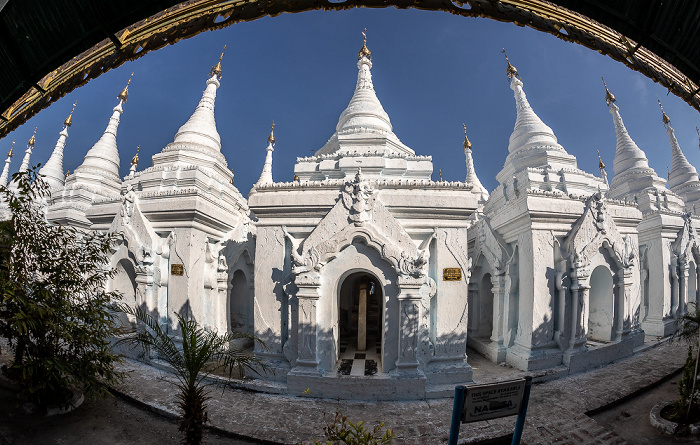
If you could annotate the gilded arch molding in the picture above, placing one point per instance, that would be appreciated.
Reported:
(187, 19)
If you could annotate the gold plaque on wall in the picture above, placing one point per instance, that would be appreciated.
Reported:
(451, 274)
(177, 269)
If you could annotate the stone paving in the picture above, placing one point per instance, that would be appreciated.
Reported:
(556, 414)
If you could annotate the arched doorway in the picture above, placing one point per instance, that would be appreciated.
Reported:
(360, 321)
(601, 314)
(692, 284)
(240, 308)
(124, 281)
(485, 307)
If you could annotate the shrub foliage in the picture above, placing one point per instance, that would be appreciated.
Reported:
(54, 311)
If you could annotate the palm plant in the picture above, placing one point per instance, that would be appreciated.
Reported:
(689, 330)
(203, 352)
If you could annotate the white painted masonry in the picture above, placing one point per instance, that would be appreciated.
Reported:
(364, 252)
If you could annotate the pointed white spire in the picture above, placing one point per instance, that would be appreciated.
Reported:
(104, 155)
(682, 173)
(633, 176)
(53, 169)
(627, 154)
(471, 177)
(6, 169)
(28, 153)
(529, 130)
(364, 117)
(266, 175)
(200, 128)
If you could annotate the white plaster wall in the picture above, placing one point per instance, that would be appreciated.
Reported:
(186, 292)
(451, 317)
(271, 308)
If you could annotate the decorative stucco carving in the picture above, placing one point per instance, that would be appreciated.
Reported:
(358, 197)
(596, 229)
(134, 230)
(358, 213)
(491, 246)
(687, 243)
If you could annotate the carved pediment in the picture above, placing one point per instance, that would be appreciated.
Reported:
(135, 230)
(596, 229)
(687, 240)
(491, 246)
(358, 213)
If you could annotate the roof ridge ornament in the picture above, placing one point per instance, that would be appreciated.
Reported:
(609, 97)
(216, 69)
(135, 159)
(511, 71)
(601, 165)
(69, 120)
(124, 95)
(32, 140)
(467, 144)
(664, 116)
(364, 51)
(271, 138)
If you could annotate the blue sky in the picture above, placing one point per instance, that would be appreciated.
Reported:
(432, 72)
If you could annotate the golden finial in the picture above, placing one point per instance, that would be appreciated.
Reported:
(69, 120)
(510, 71)
(609, 97)
(600, 161)
(698, 132)
(664, 116)
(440, 173)
(668, 172)
(467, 144)
(125, 92)
(364, 51)
(216, 69)
(9, 154)
(68, 171)
(271, 138)
(135, 159)
(296, 178)
(33, 138)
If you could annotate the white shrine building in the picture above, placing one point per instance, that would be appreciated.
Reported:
(366, 278)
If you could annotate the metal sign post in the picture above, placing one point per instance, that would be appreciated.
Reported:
(483, 402)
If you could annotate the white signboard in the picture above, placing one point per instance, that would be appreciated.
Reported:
(483, 402)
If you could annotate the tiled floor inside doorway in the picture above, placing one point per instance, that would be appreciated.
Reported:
(360, 363)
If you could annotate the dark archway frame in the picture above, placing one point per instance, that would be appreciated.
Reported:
(51, 48)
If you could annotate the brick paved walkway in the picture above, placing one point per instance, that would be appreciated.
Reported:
(556, 413)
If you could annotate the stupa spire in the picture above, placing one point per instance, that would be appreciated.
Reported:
(53, 169)
(364, 117)
(471, 177)
(627, 154)
(200, 128)
(266, 175)
(104, 155)
(6, 169)
(682, 172)
(529, 130)
(28, 153)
